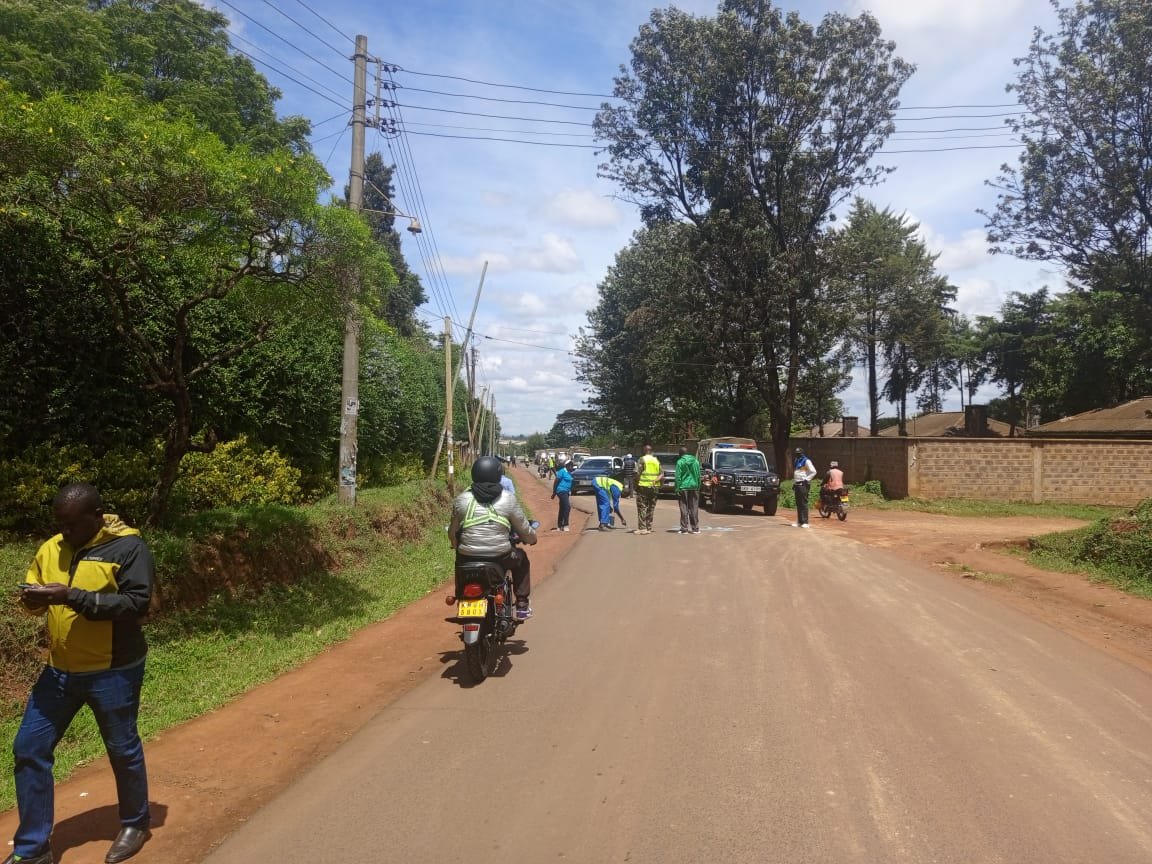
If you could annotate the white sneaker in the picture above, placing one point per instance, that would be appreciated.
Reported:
(566, 529)
(805, 525)
(795, 524)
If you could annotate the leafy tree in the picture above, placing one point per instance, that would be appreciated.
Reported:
(398, 306)
(1011, 347)
(754, 126)
(173, 52)
(191, 251)
(896, 301)
(1081, 193)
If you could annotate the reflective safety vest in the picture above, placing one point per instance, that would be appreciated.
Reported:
(606, 483)
(472, 518)
(649, 471)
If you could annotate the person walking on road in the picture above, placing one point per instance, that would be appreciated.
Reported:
(608, 500)
(647, 488)
(93, 584)
(688, 491)
(629, 475)
(562, 489)
(803, 471)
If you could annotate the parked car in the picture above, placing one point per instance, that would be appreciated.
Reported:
(596, 466)
(667, 472)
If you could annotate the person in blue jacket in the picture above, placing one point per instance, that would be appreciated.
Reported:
(562, 489)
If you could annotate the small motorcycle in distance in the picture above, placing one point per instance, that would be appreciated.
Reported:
(485, 610)
(834, 501)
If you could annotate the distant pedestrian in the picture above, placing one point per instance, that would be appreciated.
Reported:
(629, 473)
(608, 500)
(647, 488)
(688, 491)
(562, 489)
(93, 583)
(803, 471)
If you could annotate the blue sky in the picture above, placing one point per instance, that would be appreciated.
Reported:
(540, 217)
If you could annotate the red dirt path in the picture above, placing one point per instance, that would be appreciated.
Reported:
(209, 775)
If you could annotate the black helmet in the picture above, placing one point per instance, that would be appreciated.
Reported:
(486, 469)
(798, 450)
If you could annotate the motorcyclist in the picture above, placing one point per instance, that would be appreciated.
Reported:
(483, 519)
(833, 483)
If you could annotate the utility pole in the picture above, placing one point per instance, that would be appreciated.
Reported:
(492, 411)
(476, 423)
(350, 380)
(463, 354)
(448, 400)
(483, 412)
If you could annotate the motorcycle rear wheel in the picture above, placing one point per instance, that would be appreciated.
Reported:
(480, 658)
(841, 514)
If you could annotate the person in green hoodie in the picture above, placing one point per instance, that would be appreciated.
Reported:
(688, 491)
(93, 584)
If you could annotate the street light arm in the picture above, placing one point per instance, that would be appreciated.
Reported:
(413, 222)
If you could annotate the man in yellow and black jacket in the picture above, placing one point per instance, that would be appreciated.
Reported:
(93, 583)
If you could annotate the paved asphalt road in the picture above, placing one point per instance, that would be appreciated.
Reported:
(752, 694)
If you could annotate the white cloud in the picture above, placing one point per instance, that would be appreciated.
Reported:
(551, 254)
(581, 208)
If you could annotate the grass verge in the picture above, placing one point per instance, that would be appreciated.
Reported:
(246, 634)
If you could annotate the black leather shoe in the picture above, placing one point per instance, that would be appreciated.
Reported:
(127, 843)
(42, 858)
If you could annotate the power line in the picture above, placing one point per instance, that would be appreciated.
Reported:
(290, 44)
(256, 47)
(499, 99)
(296, 81)
(554, 92)
(324, 42)
(326, 21)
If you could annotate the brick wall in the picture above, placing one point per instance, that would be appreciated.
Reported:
(1117, 472)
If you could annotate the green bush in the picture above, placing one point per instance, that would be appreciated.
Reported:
(29, 481)
(1121, 546)
(235, 474)
(392, 469)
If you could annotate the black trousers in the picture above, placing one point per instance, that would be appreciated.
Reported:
(516, 561)
(801, 491)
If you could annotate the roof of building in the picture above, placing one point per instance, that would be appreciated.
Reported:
(831, 430)
(947, 424)
(1129, 420)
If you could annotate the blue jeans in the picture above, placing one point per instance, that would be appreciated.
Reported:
(114, 697)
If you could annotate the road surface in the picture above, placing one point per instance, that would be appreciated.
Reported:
(752, 693)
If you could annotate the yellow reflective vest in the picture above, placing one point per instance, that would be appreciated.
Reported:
(648, 468)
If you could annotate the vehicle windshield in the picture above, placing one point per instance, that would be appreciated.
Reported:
(596, 465)
(667, 460)
(741, 460)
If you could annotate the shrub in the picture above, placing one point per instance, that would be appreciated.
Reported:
(235, 474)
(392, 469)
(29, 481)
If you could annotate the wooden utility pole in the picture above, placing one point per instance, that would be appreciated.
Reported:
(350, 380)
(475, 428)
(448, 400)
(463, 354)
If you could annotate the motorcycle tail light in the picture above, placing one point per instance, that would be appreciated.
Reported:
(473, 590)
(471, 628)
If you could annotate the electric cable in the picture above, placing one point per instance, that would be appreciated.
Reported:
(311, 33)
(326, 21)
(290, 44)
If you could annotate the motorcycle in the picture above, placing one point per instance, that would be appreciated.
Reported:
(485, 610)
(834, 501)
(542, 470)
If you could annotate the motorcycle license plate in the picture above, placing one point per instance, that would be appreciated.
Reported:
(472, 608)
(753, 489)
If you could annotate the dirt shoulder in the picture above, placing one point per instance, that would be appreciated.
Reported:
(208, 776)
(973, 550)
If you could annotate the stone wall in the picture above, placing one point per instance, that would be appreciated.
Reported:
(1097, 471)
